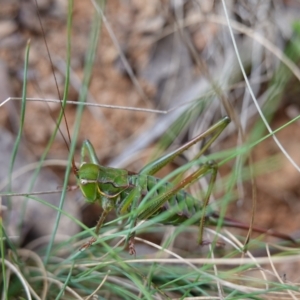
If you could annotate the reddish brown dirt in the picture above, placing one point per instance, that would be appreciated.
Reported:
(278, 183)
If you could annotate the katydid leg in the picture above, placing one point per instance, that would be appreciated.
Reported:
(97, 229)
(214, 130)
(214, 168)
(131, 202)
(130, 238)
(157, 202)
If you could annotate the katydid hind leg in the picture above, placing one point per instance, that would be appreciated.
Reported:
(214, 131)
(158, 201)
(214, 169)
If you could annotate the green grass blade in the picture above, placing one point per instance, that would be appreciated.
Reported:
(13, 157)
(66, 89)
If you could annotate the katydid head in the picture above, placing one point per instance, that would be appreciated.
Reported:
(99, 183)
(87, 176)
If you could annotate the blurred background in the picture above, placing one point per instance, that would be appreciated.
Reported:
(174, 61)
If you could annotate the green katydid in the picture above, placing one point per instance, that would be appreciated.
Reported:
(123, 191)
